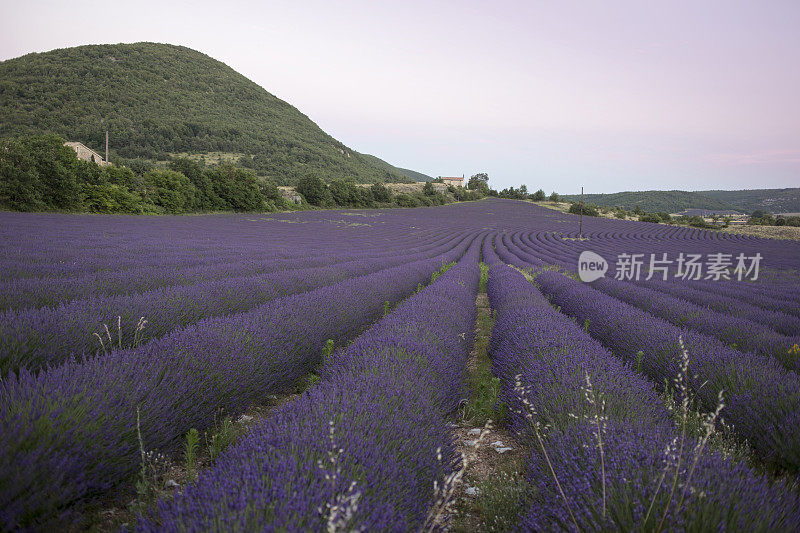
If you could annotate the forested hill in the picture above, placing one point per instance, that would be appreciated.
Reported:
(745, 201)
(655, 201)
(160, 99)
(770, 200)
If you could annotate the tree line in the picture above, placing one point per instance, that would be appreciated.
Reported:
(39, 173)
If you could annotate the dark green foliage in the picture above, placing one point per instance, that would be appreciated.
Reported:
(760, 218)
(428, 189)
(578, 208)
(655, 201)
(464, 195)
(272, 196)
(516, 194)
(554, 197)
(159, 99)
(346, 193)
(649, 217)
(381, 192)
(414, 175)
(238, 187)
(775, 200)
(479, 182)
(405, 200)
(112, 198)
(538, 196)
(313, 190)
(206, 198)
(170, 190)
(40, 173)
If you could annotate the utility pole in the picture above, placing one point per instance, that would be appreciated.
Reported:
(106, 147)
(580, 220)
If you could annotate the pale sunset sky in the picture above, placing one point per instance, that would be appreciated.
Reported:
(611, 95)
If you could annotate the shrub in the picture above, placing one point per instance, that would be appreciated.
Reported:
(589, 210)
(404, 200)
(170, 190)
(649, 217)
(313, 190)
(381, 192)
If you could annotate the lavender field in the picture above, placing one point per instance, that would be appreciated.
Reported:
(661, 404)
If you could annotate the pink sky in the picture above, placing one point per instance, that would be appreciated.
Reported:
(609, 95)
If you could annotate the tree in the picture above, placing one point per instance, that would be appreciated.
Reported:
(20, 185)
(345, 193)
(428, 189)
(207, 199)
(479, 182)
(538, 196)
(313, 190)
(381, 192)
(405, 200)
(649, 217)
(587, 209)
(554, 197)
(170, 190)
(237, 187)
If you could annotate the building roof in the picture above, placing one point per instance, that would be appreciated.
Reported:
(458, 178)
(75, 145)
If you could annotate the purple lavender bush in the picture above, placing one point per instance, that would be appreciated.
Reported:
(70, 431)
(362, 448)
(605, 452)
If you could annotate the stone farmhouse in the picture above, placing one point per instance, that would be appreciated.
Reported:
(86, 153)
(456, 182)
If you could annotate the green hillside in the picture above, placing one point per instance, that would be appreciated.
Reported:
(656, 201)
(772, 200)
(414, 175)
(159, 99)
(409, 174)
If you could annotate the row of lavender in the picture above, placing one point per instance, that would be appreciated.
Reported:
(134, 271)
(778, 260)
(33, 338)
(605, 450)
(363, 449)
(752, 328)
(763, 398)
(70, 431)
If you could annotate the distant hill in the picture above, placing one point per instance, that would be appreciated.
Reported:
(656, 201)
(160, 99)
(410, 175)
(416, 176)
(773, 200)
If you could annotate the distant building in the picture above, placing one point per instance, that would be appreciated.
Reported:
(707, 212)
(86, 153)
(456, 182)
